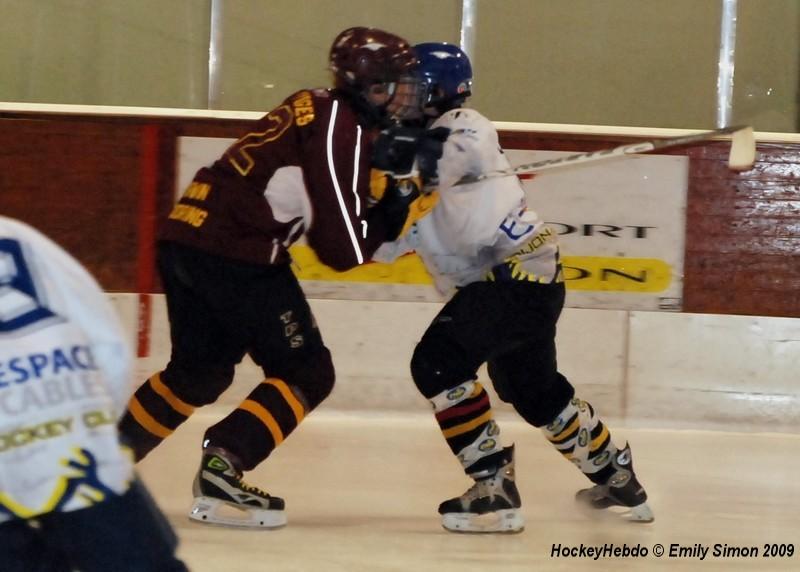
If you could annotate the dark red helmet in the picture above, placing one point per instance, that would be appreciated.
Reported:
(361, 56)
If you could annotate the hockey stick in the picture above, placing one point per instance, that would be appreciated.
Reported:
(741, 157)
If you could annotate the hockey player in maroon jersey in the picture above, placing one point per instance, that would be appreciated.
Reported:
(499, 262)
(304, 169)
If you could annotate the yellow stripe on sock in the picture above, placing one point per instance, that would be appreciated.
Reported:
(477, 390)
(597, 441)
(146, 420)
(166, 394)
(468, 426)
(289, 396)
(265, 417)
(567, 430)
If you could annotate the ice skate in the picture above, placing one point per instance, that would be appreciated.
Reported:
(221, 497)
(622, 493)
(492, 504)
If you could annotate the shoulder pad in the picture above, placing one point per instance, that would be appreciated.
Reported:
(462, 118)
(467, 121)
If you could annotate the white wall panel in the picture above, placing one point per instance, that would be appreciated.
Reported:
(592, 353)
(639, 368)
(709, 369)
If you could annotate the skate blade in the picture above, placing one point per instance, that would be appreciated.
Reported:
(508, 521)
(639, 514)
(217, 512)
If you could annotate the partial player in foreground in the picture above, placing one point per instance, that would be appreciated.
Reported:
(500, 263)
(69, 499)
(223, 258)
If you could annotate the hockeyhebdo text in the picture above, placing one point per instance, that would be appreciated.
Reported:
(43, 379)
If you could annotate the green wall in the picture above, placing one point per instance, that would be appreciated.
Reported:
(604, 62)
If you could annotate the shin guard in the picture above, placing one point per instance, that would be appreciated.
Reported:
(464, 414)
(153, 414)
(261, 422)
(579, 435)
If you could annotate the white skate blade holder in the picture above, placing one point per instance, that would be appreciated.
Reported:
(213, 511)
(501, 521)
(639, 514)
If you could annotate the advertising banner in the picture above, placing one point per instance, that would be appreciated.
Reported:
(621, 226)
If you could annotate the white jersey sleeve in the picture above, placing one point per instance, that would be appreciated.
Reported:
(476, 227)
(390, 251)
(65, 377)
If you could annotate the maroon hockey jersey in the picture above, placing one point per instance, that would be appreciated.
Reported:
(303, 169)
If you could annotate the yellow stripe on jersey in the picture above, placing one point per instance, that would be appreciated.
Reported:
(21, 511)
(92, 496)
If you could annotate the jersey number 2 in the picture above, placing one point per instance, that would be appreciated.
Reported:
(239, 155)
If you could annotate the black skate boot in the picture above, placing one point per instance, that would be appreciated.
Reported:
(218, 484)
(492, 504)
(621, 490)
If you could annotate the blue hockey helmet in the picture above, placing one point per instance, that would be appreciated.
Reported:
(445, 73)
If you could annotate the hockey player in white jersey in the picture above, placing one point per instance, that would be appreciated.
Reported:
(69, 499)
(500, 263)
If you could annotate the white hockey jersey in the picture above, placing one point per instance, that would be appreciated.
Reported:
(65, 375)
(480, 231)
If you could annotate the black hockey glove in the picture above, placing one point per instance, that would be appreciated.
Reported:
(429, 153)
(395, 203)
(401, 150)
(395, 150)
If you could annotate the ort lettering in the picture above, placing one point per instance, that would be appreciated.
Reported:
(594, 229)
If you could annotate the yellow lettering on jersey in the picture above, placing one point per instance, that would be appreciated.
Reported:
(303, 106)
(189, 214)
(97, 418)
(536, 242)
(197, 191)
(26, 435)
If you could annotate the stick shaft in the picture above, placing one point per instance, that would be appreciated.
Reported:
(590, 157)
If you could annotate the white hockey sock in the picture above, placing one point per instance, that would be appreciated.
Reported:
(579, 434)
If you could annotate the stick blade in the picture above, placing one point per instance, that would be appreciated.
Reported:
(743, 150)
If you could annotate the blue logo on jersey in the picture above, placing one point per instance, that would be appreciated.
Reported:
(21, 304)
(513, 231)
